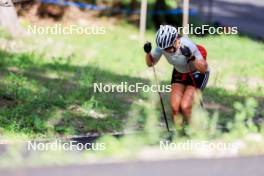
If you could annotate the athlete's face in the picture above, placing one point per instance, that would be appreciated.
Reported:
(173, 48)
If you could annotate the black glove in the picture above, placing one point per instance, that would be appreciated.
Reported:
(187, 53)
(147, 47)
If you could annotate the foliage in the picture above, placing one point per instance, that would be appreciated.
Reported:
(49, 91)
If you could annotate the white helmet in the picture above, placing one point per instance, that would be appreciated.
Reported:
(166, 36)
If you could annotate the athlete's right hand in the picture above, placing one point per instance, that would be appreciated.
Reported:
(147, 47)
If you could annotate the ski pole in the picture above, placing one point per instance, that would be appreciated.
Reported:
(161, 100)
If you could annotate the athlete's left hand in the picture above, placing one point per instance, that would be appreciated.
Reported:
(187, 53)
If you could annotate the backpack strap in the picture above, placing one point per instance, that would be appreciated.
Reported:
(202, 51)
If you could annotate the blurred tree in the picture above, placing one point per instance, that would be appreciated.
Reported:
(51, 10)
(160, 18)
(9, 19)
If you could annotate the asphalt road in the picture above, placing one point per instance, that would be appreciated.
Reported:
(245, 166)
(247, 15)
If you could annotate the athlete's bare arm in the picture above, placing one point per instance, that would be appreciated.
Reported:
(201, 65)
(149, 60)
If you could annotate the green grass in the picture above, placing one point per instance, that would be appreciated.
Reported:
(48, 91)
(5, 34)
(235, 56)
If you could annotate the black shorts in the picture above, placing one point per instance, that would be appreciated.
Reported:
(198, 80)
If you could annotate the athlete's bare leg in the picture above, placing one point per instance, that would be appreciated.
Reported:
(187, 102)
(175, 101)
